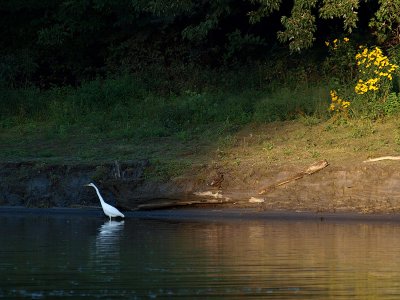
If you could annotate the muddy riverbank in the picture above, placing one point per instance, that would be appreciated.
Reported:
(354, 187)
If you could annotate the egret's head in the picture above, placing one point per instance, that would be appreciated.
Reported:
(90, 184)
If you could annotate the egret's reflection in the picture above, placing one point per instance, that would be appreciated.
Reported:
(107, 251)
(110, 230)
(107, 240)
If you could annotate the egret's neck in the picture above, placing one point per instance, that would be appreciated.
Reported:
(98, 194)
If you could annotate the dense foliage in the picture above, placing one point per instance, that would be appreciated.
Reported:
(62, 42)
(140, 69)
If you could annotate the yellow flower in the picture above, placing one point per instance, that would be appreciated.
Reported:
(373, 88)
(345, 104)
(373, 80)
(346, 39)
(327, 43)
(393, 67)
(337, 104)
(373, 69)
(361, 88)
(334, 96)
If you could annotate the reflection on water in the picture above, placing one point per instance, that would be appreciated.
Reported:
(106, 255)
(107, 239)
(81, 257)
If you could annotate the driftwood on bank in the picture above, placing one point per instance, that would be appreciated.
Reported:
(310, 170)
(176, 203)
(382, 158)
(215, 198)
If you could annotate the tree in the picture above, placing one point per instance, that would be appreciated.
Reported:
(300, 25)
(68, 41)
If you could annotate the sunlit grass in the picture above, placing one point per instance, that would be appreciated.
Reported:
(121, 119)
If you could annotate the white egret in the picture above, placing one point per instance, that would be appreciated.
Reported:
(109, 210)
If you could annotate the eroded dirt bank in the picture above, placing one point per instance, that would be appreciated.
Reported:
(359, 187)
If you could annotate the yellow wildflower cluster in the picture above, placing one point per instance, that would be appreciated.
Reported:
(375, 67)
(335, 43)
(364, 86)
(338, 104)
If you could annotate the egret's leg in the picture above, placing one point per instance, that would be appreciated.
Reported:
(110, 218)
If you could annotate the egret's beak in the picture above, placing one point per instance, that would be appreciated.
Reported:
(86, 185)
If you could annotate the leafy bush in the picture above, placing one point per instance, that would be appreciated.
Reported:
(340, 63)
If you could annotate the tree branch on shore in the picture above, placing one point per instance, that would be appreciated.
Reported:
(382, 158)
(310, 170)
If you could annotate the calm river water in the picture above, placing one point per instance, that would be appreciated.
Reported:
(87, 257)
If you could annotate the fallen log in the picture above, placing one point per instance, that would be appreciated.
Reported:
(310, 170)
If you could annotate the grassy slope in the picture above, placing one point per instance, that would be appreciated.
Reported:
(229, 122)
(296, 142)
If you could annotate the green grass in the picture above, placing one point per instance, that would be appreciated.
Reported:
(225, 122)
(127, 118)
(123, 108)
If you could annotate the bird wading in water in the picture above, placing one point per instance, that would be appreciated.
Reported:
(108, 209)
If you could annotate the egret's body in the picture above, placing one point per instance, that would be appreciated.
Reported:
(109, 210)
